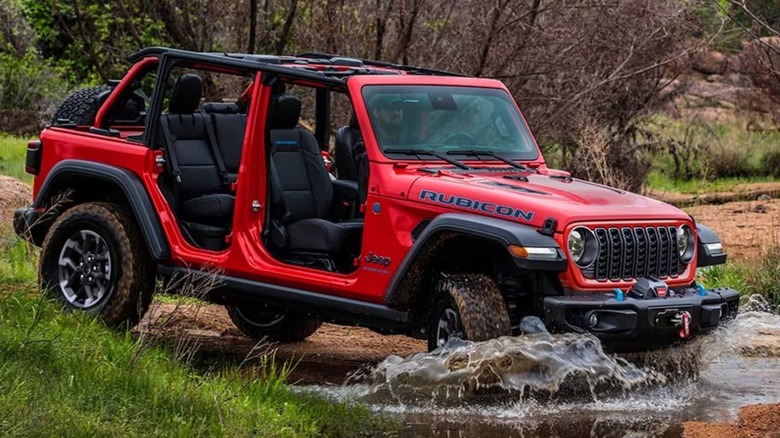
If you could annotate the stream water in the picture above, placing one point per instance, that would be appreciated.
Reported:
(566, 385)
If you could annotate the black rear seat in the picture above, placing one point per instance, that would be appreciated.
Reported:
(201, 195)
(229, 127)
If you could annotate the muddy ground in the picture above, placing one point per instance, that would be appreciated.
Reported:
(762, 420)
(748, 228)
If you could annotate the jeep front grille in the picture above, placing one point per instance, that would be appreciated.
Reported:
(632, 252)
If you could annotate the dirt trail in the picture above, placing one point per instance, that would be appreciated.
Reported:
(754, 421)
(328, 356)
(747, 228)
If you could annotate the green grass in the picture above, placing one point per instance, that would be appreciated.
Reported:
(661, 181)
(65, 374)
(13, 151)
(760, 277)
(18, 259)
(177, 299)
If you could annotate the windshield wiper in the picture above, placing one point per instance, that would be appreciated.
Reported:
(410, 151)
(477, 153)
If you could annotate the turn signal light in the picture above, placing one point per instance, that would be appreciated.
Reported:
(533, 252)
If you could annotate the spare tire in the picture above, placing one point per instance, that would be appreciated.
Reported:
(81, 107)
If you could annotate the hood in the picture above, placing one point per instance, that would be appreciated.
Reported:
(531, 197)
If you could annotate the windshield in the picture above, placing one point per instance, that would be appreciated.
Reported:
(447, 120)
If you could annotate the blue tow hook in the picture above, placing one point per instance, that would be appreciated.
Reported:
(701, 289)
(618, 294)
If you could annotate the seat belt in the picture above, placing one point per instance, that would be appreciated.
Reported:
(281, 216)
(215, 149)
(174, 167)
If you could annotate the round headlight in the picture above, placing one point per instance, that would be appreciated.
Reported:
(685, 244)
(576, 245)
(583, 247)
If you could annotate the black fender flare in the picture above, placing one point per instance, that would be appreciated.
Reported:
(706, 257)
(128, 183)
(497, 230)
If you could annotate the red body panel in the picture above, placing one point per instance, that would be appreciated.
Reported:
(396, 189)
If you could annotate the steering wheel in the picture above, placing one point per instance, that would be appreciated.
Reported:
(459, 135)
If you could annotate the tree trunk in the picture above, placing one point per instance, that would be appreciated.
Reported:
(284, 36)
(250, 48)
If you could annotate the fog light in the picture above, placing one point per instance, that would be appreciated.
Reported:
(593, 320)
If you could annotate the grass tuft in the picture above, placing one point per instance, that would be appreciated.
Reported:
(760, 276)
(19, 260)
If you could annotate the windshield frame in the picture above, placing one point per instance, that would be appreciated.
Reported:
(514, 114)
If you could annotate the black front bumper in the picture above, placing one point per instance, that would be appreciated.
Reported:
(640, 324)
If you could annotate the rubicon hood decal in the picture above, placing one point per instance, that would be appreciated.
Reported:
(476, 205)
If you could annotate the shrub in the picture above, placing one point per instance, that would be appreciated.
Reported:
(608, 158)
(770, 162)
(27, 83)
(727, 161)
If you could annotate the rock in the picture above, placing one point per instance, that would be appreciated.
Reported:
(710, 63)
(764, 197)
(760, 208)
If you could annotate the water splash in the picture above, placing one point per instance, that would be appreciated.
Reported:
(535, 362)
(539, 375)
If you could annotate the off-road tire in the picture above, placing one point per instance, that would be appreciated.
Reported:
(80, 107)
(477, 301)
(289, 327)
(130, 289)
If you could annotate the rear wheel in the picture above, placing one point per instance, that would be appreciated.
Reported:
(279, 327)
(94, 260)
(469, 307)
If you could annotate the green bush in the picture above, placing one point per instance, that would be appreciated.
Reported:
(28, 83)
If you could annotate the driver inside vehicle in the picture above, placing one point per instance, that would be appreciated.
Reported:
(388, 114)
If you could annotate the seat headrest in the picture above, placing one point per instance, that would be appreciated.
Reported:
(286, 112)
(220, 108)
(186, 94)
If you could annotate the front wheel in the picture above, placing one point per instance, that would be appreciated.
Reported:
(94, 260)
(469, 307)
(278, 327)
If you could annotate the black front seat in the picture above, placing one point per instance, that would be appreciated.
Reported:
(304, 186)
(346, 155)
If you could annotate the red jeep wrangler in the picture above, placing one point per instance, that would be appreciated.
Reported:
(440, 218)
